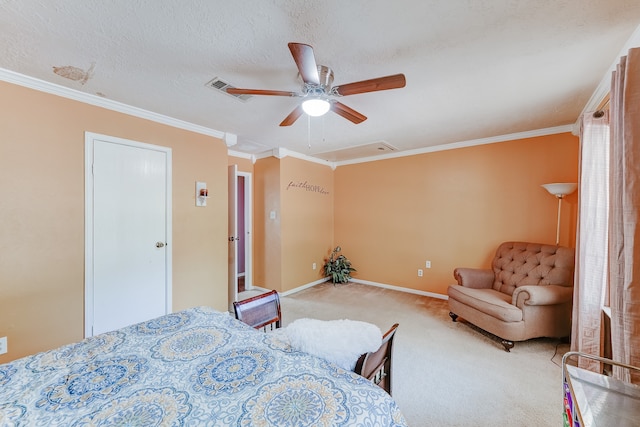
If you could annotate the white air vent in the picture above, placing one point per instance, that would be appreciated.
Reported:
(222, 86)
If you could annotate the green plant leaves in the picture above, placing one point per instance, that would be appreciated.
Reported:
(338, 267)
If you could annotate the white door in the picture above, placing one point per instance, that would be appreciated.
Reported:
(128, 233)
(233, 235)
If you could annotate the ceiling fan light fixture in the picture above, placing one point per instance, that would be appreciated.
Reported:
(316, 107)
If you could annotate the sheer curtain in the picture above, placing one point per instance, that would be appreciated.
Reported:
(624, 230)
(591, 248)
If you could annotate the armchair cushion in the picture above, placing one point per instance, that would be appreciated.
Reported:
(489, 301)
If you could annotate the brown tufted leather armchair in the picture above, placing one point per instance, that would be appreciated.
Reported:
(527, 293)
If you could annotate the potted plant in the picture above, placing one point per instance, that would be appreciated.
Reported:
(338, 267)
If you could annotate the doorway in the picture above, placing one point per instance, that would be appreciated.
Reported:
(240, 233)
(127, 232)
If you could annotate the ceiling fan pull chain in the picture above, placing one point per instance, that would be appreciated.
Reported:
(309, 130)
(324, 139)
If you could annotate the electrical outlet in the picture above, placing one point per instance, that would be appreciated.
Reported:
(427, 264)
(420, 272)
(314, 266)
(3, 345)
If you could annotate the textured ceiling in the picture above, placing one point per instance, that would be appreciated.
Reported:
(475, 69)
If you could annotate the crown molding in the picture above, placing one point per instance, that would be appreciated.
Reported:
(241, 155)
(230, 139)
(281, 153)
(76, 95)
(463, 144)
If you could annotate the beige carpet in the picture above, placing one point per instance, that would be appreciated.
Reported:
(446, 373)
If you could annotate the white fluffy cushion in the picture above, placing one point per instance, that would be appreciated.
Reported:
(339, 341)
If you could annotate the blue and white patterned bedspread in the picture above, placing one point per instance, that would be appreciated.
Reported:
(198, 367)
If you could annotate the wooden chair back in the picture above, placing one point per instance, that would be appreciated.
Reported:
(261, 311)
(376, 365)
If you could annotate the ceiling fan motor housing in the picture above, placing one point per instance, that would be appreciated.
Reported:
(322, 89)
(326, 76)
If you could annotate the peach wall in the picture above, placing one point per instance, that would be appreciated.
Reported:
(307, 220)
(452, 208)
(266, 231)
(42, 214)
(300, 193)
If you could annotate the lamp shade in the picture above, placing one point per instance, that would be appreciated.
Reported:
(316, 106)
(560, 189)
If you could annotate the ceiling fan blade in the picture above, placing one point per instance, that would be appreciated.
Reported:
(292, 117)
(395, 81)
(236, 91)
(306, 62)
(348, 113)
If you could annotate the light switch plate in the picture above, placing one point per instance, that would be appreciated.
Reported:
(3, 345)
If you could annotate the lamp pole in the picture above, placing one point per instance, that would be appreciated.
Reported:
(560, 197)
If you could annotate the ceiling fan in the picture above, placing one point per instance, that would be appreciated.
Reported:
(317, 90)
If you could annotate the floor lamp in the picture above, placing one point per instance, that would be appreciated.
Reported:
(560, 189)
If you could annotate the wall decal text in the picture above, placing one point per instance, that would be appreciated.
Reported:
(304, 185)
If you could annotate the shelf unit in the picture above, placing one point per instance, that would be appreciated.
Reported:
(593, 400)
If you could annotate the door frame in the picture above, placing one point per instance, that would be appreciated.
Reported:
(232, 231)
(248, 228)
(89, 140)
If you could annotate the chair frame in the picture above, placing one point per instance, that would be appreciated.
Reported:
(376, 365)
(260, 311)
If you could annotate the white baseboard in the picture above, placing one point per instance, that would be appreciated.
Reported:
(401, 289)
(366, 282)
(303, 287)
(258, 288)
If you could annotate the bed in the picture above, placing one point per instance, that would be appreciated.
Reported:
(194, 367)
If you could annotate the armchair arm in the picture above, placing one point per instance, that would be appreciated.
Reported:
(474, 277)
(542, 295)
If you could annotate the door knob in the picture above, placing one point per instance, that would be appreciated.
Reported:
(159, 244)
